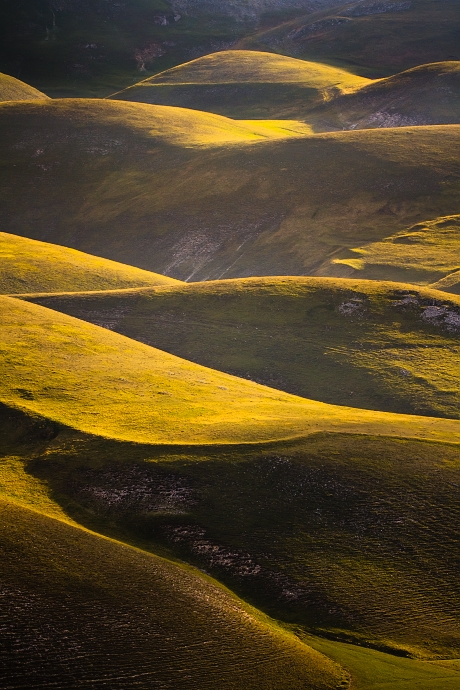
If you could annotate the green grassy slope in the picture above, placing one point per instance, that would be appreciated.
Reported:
(12, 89)
(341, 535)
(30, 266)
(383, 346)
(243, 83)
(371, 670)
(373, 38)
(82, 610)
(427, 252)
(205, 197)
(425, 95)
(52, 365)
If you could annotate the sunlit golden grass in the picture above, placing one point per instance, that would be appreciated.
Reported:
(351, 342)
(243, 83)
(238, 66)
(176, 126)
(31, 266)
(142, 617)
(102, 383)
(240, 83)
(179, 195)
(12, 89)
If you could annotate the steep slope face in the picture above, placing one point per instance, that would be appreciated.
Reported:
(381, 346)
(243, 83)
(12, 89)
(31, 266)
(425, 95)
(376, 38)
(53, 363)
(197, 196)
(80, 609)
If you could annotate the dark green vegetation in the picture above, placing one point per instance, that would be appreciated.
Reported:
(348, 536)
(83, 47)
(374, 38)
(205, 197)
(79, 609)
(376, 345)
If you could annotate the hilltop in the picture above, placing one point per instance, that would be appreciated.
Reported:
(147, 621)
(32, 266)
(371, 37)
(12, 89)
(244, 83)
(206, 197)
(251, 84)
(375, 345)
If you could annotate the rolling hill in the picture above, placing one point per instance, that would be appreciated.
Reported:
(251, 84)
(174, 456)
(245, 84)
(53, 363)
(342, 535)
(12, 89)
(425, 95)
(375, 345)
(31, 266)
(205, 197)
(80, 609)
(371, 37)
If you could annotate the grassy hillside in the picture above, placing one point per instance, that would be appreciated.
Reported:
(197, 196)
(425, 95)
(427, 252)
(373, 38)
(31, 266)
(53, 364)
(81, 609)
(12, 89)
(243, 83)
(346, 536)
(89, 48)
(383, 346)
